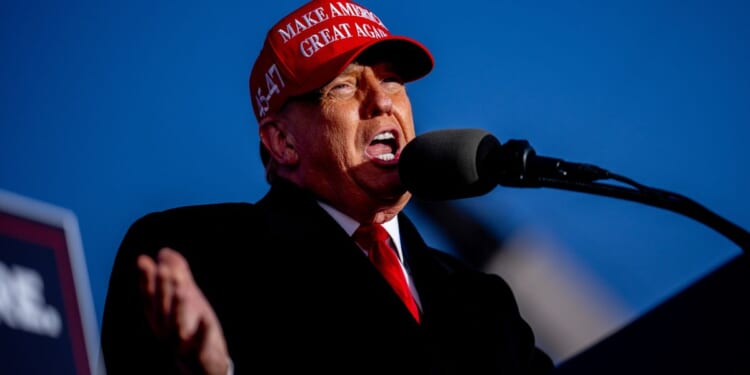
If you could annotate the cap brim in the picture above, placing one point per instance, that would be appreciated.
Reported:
(409, 58)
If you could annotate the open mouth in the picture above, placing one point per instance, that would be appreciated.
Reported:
(383, 147)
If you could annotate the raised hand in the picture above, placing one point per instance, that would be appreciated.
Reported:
(180, 314)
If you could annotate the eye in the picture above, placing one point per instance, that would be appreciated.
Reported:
(392, 83)
(340, 89)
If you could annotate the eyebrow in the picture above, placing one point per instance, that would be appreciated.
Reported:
(349, 68)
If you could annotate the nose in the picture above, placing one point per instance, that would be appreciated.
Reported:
(376, 100)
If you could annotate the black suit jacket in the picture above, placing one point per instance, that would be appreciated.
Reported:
(295, 294)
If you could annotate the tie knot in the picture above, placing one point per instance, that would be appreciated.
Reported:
(368, 235)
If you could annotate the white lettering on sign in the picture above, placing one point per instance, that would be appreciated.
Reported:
(22, 304)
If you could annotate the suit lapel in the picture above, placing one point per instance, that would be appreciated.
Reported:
(328, 265)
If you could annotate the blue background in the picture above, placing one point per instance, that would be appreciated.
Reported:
(114, 109)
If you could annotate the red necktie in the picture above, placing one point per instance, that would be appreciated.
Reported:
(374, 239)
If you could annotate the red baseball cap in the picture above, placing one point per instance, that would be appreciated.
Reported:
(315, 43)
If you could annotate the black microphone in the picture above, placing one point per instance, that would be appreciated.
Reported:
(463, 163)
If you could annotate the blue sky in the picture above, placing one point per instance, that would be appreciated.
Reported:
(114, 109)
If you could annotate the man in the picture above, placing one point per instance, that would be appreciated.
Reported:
(281, 286)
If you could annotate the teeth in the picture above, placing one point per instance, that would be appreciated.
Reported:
(384, 136)
(386, 157)
(387, 138)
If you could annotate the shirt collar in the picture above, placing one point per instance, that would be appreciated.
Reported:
(350, 225)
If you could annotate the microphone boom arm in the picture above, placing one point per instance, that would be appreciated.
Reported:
(523, 168)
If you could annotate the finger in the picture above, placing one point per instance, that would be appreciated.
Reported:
(182, 302)
(189, 312)
(177, 263)
(165, 289)
(147, 274)
(189, 304)
(147, 286)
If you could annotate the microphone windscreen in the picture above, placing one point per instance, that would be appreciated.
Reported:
(449, 164)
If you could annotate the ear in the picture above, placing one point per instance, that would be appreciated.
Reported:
(278, 141)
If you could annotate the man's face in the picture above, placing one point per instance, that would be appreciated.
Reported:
(350, 141)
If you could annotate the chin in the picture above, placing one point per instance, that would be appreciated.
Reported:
(396, 194)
